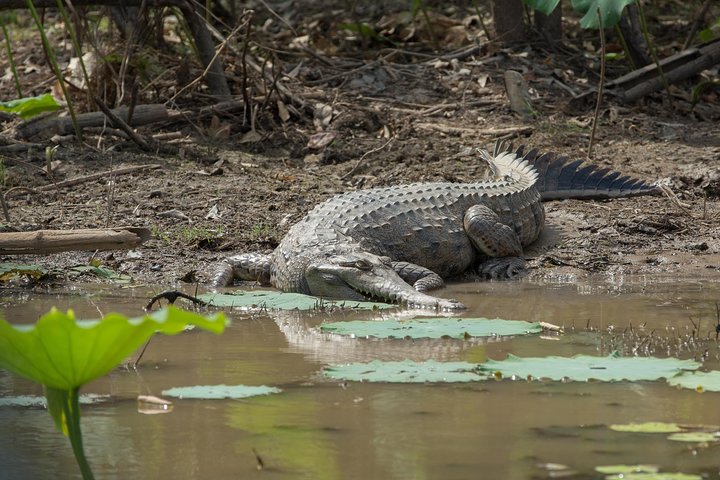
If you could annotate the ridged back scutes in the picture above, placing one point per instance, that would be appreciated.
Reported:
(560, 177)
(510, 170)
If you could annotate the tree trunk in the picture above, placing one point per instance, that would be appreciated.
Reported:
(509, 19)
(550, 26)
(631, 29)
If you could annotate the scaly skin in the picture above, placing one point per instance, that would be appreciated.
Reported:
(393, 243)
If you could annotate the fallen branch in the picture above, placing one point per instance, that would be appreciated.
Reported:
(675, 68)
(122, 125)
(21, 148)
(142, 115)
(474, 131)
(53, 241)
(87, 178)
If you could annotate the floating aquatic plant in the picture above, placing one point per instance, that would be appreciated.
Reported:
(432, 328)
(582, 368)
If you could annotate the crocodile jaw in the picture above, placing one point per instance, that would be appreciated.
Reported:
(367, 277)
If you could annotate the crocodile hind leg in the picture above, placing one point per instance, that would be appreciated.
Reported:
(421, 278)
(496, 240)
(246, 266)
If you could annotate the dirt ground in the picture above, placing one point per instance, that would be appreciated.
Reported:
(398, 115)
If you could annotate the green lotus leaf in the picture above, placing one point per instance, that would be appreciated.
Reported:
(31, 106)
(274, 300)
(405, 371)
(625, 469)
(611, 11)
(696, 437)
(219, 391)
(584, 368)
(62, 353)
(647, 427)
(698, 381)
(432, 328)
(544, 6)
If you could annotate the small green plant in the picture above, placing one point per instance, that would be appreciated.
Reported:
(198, 234)
(262, 230)
(710, 33)
(157, 232)
(63, 354)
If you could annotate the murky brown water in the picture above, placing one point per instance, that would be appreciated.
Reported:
(319, 429)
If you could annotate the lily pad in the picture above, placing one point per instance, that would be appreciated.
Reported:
(219, 391)
(406, 371)
(62, 353)
(432, 328)
(654, 476)
(584, 368)
(698, 381)
(625, 469)
(695, 437)
(647, 427)
(273, 300)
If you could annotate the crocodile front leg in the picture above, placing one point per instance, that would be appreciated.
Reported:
(246, 266)
(421, 278)
(496, 240)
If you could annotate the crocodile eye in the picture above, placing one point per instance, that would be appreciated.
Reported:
(363, 265)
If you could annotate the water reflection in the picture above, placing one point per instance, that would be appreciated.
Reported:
(323, 429)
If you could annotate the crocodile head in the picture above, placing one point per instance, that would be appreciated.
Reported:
(364, 276)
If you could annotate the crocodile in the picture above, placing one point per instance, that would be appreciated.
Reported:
(394, 244)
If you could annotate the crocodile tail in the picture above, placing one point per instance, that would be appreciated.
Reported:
(562, 177)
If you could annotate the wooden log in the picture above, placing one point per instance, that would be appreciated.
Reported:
(676, 68)
(53, 241)
(142, 115)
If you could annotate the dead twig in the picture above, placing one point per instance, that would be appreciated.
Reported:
(601, 85)
(171, 296)
(353, 71)
(361, 159)
(247, 111)
(87, 178)
(120, 123)
(675, 200)
(209, 69)
(699, 17)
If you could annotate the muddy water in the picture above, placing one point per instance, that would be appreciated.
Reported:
(319, 429)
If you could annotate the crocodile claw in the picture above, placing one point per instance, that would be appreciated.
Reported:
(502, 268)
